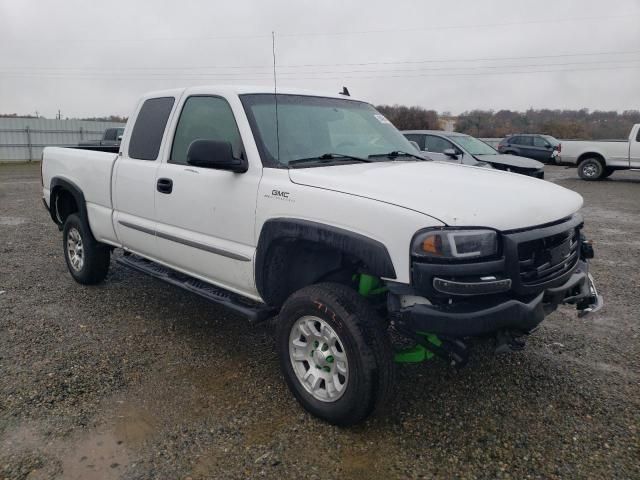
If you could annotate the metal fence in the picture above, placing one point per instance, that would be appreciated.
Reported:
(23, 139)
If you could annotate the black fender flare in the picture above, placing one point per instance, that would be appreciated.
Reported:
(58, 183)
(372, 253)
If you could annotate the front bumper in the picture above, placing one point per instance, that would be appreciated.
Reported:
(536, 270)
(486, 316)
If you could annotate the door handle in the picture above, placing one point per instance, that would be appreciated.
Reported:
(165, 185)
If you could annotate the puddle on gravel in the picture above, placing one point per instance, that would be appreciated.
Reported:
(100, 455)
(133, 425)
(12, 221)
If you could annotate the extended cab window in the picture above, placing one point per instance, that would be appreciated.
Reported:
(205, 118)
(437, 144)
(149, 128)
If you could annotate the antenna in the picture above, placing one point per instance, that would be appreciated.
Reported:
(275, 93)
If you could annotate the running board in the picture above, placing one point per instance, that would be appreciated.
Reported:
(254, 311)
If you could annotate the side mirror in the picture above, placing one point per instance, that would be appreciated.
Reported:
(450, 152)
(214, 154)
(415, 145)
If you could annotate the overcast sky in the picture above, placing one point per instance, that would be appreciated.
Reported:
(95, 58)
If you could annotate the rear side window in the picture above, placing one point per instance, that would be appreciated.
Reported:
(149, 128)
(110, 134)
(205, 118)
(525, 140)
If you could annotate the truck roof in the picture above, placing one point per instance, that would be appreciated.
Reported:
(243, 90)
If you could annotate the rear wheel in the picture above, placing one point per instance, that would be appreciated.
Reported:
(591, 169)
(87, 259)
(335, 353)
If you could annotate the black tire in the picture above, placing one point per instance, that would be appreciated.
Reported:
(591, 169)
(95, 256)
(607, 172)
(371, 370)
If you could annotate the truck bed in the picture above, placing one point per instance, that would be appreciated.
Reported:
(90, 171)
(616, 152)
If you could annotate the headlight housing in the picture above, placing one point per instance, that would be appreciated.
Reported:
(455, 244)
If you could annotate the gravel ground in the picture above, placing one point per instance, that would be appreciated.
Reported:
(136, 379)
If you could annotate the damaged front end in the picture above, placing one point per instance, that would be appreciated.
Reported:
(506, 294)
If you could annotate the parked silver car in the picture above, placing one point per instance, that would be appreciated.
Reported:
(461, 148)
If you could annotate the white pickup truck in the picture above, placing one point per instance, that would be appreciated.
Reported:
(316, 209)
(599, 159)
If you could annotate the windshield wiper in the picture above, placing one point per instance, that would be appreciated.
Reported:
(329, 158)
(398, 153)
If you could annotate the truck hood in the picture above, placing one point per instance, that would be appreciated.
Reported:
(457, 195)
(511, 161)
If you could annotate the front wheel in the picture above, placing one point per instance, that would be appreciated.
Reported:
(87, 259)
(335, 353)
(591, 169)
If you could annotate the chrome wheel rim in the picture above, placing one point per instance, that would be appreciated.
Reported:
(75, 249)
(318, 358)
(590, 170)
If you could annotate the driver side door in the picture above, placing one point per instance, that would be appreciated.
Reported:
(541, 149)
(206, 216)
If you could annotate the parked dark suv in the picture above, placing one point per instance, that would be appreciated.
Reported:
(539, 147)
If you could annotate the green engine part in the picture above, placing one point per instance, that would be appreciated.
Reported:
(418, 353)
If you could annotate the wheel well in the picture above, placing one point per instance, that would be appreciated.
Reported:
(595, 156)
(291, 264)
(293, 253)
(64, 204)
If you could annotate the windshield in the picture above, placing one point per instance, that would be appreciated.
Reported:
(473, 145)
(309, 127)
